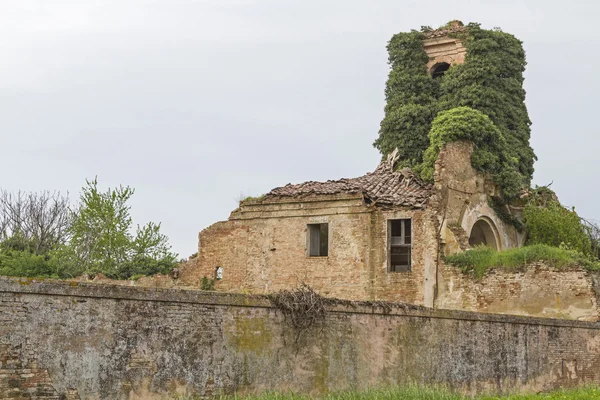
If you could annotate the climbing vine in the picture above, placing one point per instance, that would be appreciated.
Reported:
(490, 149)
(411, 100)
(490, 81)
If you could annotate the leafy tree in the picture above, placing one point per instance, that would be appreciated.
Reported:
(41, 236)
(102, 241)
(100, 232)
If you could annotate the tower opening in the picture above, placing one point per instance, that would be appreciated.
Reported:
(439, 69)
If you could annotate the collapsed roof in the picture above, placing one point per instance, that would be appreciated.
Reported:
(452, 27)
(384, 186)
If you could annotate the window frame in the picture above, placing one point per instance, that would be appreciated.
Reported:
(310, 230)
(402, 244)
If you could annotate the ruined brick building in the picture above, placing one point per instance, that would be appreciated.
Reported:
(378, 236)
(383, 235)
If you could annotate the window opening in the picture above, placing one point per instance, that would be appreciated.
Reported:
(399, 247)
(318, 240)
(439, 70)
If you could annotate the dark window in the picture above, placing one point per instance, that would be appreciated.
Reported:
(399, 245)
(318, 240)
(439, 70)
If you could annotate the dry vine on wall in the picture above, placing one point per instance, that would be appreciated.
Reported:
(303, 308)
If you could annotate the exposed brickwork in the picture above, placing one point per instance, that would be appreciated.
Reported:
(536, 290)
(20, 375)
(262, 248)
(442, 48)
(116, 342)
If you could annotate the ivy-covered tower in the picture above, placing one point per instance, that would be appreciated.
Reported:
(460, 80)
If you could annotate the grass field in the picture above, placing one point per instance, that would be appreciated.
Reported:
(420, 393)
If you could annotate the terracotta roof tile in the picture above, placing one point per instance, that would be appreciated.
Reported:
(454, 27)
(382, 186)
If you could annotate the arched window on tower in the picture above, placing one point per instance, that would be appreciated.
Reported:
(439, 69)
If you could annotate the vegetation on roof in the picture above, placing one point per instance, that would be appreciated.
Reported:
(481, 259)
(490, 81)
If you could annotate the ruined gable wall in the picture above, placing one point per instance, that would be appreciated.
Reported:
(262, 249)
(114, 342)
(273, 237)
(462, 199)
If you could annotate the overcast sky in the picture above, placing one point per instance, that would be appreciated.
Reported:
(196, 102)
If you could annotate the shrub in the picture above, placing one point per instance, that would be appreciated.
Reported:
(554, 225)
(207, 284)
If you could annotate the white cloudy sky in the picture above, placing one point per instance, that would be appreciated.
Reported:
(195, 102)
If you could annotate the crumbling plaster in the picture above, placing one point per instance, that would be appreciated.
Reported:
(68, 340)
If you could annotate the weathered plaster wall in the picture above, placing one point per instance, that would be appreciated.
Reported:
(262, 248)
(103, 342)
(537, 290)
(462, 199)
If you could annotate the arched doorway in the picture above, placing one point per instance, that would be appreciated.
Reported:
(482, 233)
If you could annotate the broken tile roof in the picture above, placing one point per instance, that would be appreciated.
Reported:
(383, 186)
(452, 27)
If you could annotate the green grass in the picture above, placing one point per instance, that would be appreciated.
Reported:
(413, 392)
(479, 260)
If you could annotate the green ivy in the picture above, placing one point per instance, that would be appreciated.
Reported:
(489, 155)
(499, 205)
(490, 81)
(411, 100)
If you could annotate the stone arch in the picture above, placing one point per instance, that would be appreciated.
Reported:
(484, 232)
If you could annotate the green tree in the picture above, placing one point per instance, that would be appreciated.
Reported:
(100, 231)
(102, 239)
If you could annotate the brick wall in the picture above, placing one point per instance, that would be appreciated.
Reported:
(115, 342)
(535, 290)
(262, 248)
